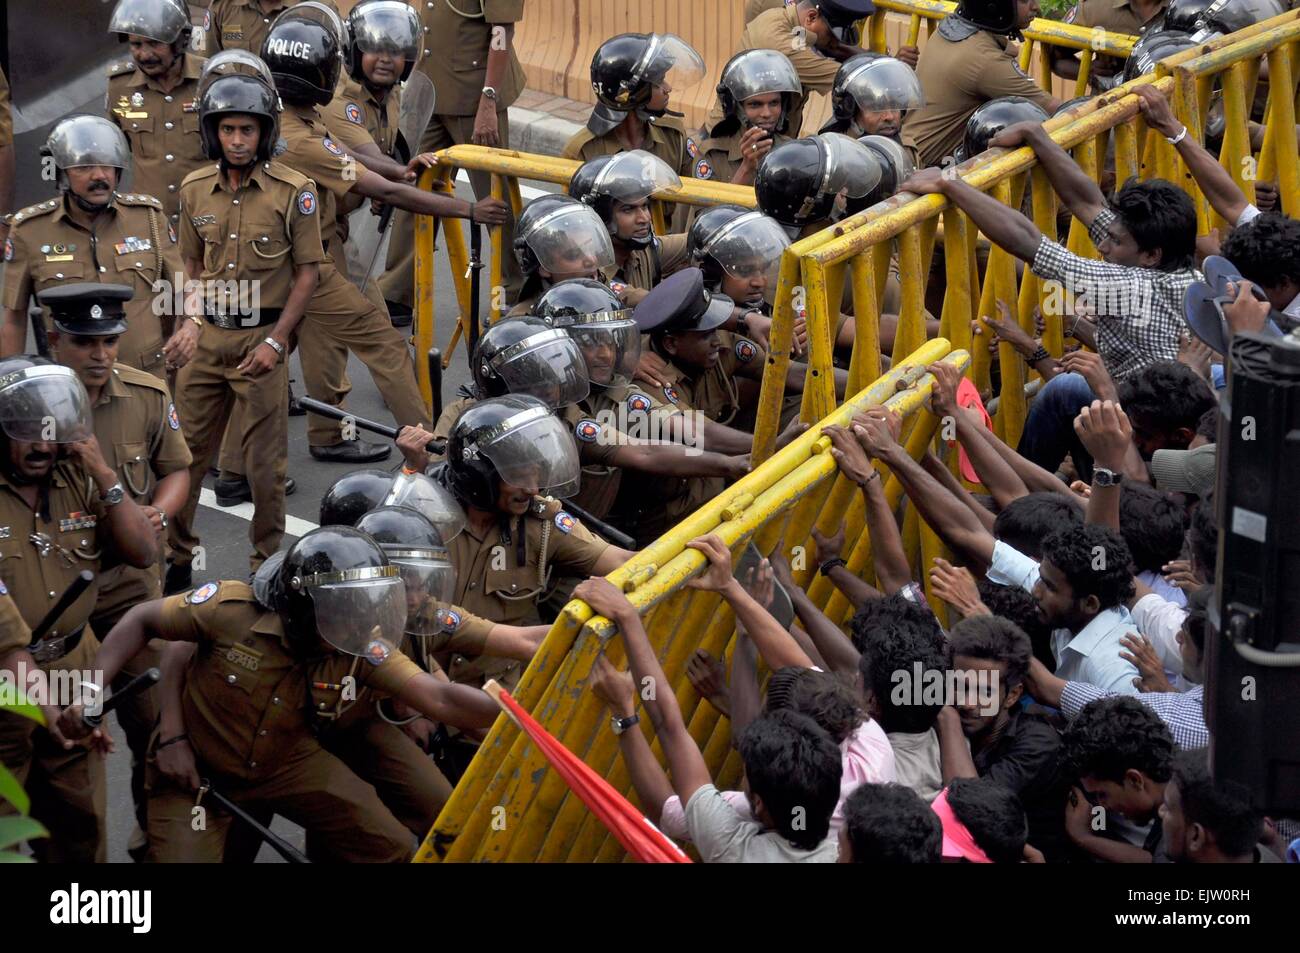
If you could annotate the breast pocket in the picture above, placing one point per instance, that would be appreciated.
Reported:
(133, 465)
(517, 588)
(268, 246)
(47, 273)
(225, 682)
(141, 132)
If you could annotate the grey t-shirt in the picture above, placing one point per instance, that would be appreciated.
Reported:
(723, 837)
(917, 758)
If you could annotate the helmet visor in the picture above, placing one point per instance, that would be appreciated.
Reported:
(430, 500)
(365, 616)
(757, 72)
(547, 365)
(572, 241)
(885, 84)
(429, 579)
(850, 167)
(670, 60)
(749, 245)
(314, 11)
(234, 62)
(44, 404)
(160, 20)
(387, 27)
(88, 140)
(610, 343)
(532, 450)
(634, 176)
(897, 161)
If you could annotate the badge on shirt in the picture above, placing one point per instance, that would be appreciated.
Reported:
(564, 522)
(137, 99)
(133, 246)
(171, 233)
(449, 619)
(191, 107)
(670, 394)
(77, 521)
(331, 147)
(207, 20)
(692, 148)
(638, 403)
(9, 249)
(377, 652)
(243, 657)
(746, 350)
(353, 113)
(202, 594)
(703, 170)
(587, 430)
(3, 590)
(198, 221)
(5, 532)
(173, 421)
(306, 202)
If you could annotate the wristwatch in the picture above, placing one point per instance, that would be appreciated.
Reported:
(619, 725)
(113, 495)
(1103, 477)
(489, 93)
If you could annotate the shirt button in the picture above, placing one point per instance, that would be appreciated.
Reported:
(169, 125)
(51, 593)
(262, 732)
(172, 188)
(103, 268)
(167, 99)
(322, 706)
(233, 235)
(275, 700)
(235, 202)
(230, 267)
(169, 157)
(59, 275)
(252, 764)
(231, 679)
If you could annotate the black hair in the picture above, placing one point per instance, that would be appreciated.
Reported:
(1018, 605)
(880, 614)
(1116, 734)
(1266, 249)
(829, 702)
(1076, 551)
(1024, 522)
(890, 824)
(781, 684)
(995, 640)
(1203, 538)
(1197, 621)
(1223, 807)
(1208, 426)
(888, 664)
(1153, 525)
(1159, 215)
(795, 767)
(993, 815)
(1167, 394)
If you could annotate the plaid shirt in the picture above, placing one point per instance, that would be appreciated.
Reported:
(1139, 311)
(1182, 712)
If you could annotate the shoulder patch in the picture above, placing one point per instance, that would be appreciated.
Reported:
(746, 350)
(353, 113)
(203, 594)
(331, 146)
(449, 619)
(122, 67)
(692, 149)
(377, 652)
(638, 403)
(565, 522)
(9, 249)
(3, 590)
(307, 202)
(670, 394)
(703, 169)
(173, 421)
(587, 430)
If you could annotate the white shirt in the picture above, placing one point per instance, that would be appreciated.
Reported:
(724, 837)
(1249, 214)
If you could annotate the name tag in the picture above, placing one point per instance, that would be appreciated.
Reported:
(133, 245)
(200, 220)
(5, 532)
(77, 521)
(244, 658)
(58, 258)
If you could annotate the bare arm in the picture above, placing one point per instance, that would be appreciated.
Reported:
(398, 194)
(13, 334)
(719, 438)
(675, 459)
(746, 702)
(447, 702)
(954, 751)
(514, 641)
(831, 642)
(1003, 226)
(611, 559)
(935, 467)
(1082, 195)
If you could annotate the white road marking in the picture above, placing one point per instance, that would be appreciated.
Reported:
(292, 525)
(526, 192)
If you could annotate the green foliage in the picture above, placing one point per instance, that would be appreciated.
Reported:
(14, 829)
(1054, 9)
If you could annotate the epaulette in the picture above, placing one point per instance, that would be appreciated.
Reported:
(31, 211)
(138, 198)
(202, 172)
(671, 122)
(573, 148)
(289, 175)
(132, 375)
(545, 507)
(227, 590)
(121, 68)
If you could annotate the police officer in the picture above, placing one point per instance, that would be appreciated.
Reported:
(809, 183)
(469, 55)
(810, 34)
(969, 60)
(758, 92)
(61, 507)
(991, 118)
(303, 56)
(619, 188)
(153, 96)
(252, 692)
(91, 232)
(558, 238)
(243, 24)
(502, 455)
(252, 223)
(353, 495)
(633, 75)
(1130, 17)
(739, 250)
(871, 96)
(138, 431)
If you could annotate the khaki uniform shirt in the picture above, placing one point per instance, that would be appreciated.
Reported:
(132, 244)
(14, 633)
(162, 128)
(244, 24)
(645, 268)
(457, 39)
(43, 550)
(666, 138)
(957, 79)
(754, 7)
(312, 151)
(356, 119)
(257, 233)
(1113, 16)
(246, 694)
(6, 117)
(141, 439)
(720, 157)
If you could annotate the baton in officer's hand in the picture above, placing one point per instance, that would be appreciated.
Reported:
(142, 682)
(70, 595)
(278, 843)
(373, 426)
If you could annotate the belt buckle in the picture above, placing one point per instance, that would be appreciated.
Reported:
(49, 649)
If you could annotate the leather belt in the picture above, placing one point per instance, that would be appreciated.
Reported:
(51, 650)
(242, 322)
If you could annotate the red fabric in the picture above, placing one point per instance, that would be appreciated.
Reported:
(968, 395)
(638, 836)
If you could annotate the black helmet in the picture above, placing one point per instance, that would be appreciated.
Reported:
(86, 140)
(1152, 47)
(303, 54)
(336, 584)
(706, 225)
(533, 213)
(738, 241)
(353, 494)
(842, 104)
(1205, 20)
(376, 26)
(413, 545)
(164, 21)
(239, 93)
(872, 82)
(797, 182)
(755, 73)
(513, 439)
(1183, 15)
(628, 177)
(601, 325)
(42, 402)
(625, 67)
(996, 16)
(525, 355)
(994, 116)
(558, 234)
(895, 166)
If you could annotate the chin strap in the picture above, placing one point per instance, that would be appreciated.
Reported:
(89, 208)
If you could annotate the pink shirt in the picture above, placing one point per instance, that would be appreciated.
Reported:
(866, 757)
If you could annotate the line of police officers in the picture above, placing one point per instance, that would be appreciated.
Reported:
(626, 377)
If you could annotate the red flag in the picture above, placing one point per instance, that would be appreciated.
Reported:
(638, 836)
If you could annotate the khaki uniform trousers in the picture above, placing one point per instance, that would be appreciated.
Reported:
(68, 789)
(399, 267)
(206, 390)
